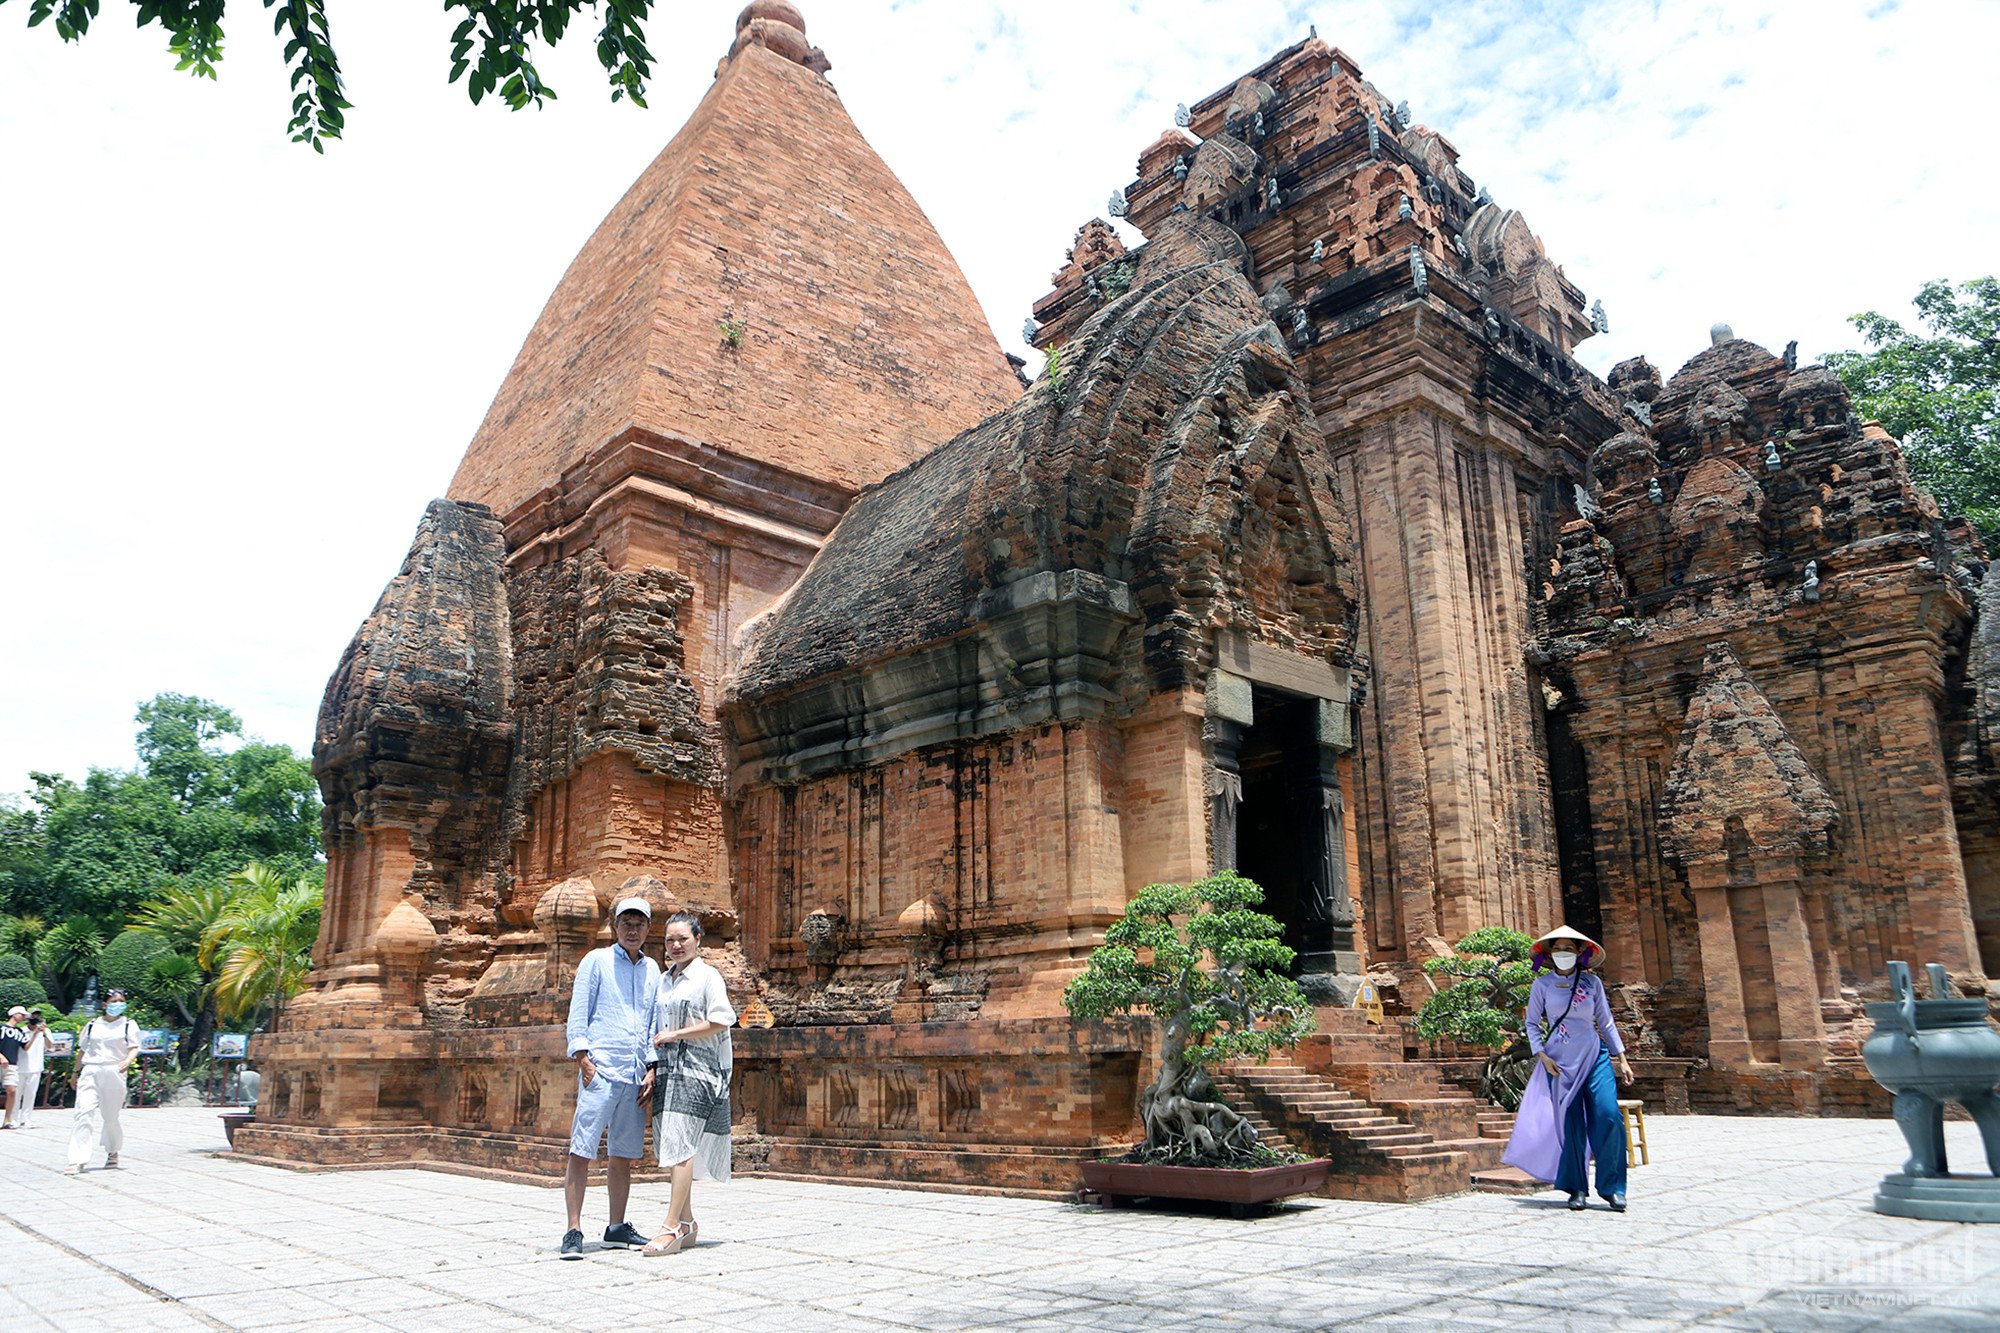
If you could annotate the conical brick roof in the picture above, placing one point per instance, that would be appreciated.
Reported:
(766, 287)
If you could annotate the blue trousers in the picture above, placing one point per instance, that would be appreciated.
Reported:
(1593, 1118)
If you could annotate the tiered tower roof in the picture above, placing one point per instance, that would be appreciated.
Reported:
(767, 287)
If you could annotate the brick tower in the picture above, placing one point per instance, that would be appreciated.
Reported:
(525, 726)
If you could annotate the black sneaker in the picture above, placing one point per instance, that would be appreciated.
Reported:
(624, 1236)
(572, 1246)
(1617, 1202)
(1577, 1203)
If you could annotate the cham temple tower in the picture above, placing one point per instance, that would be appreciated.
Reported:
(768, 590)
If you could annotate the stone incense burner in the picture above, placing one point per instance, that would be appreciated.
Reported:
(1929, 1052)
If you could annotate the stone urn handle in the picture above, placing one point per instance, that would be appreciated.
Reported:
(1906, 997)
(1940, 981)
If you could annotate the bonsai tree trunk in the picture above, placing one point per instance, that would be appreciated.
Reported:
(1506, 1074)
(1180, 1112)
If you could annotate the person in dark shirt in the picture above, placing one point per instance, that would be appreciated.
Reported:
(13, 1037)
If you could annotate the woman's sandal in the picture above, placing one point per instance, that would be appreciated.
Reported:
(669, 1242)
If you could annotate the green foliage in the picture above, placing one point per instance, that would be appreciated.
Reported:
(193, 810)
(127, 962)
(14, 965)
(732, 331)
(21, 935)
(261, 948)
(1939, 395)
(1052, 368)
(1489, 975)
(1202, 961)
(21, 990)
(67, 956)
(493, 48)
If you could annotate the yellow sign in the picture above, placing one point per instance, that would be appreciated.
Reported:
(1368, 1002)
(757, 1014)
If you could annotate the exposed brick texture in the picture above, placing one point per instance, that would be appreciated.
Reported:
(801, 313)
(1313, 550)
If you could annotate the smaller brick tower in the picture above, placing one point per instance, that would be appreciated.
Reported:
(524, 729)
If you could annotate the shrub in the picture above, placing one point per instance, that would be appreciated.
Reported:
(21, 990)
(127, 962)
(1490, 976)
(13, 965)
(1203, 963)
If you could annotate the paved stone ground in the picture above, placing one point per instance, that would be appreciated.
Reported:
(1738, 1224)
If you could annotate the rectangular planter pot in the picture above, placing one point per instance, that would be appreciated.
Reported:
(1135, 1180)
(233, 1120)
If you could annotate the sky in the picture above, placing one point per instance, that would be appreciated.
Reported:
(233, 372)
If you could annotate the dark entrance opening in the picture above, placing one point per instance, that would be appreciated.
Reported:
(1282, 826)
(1569, 782)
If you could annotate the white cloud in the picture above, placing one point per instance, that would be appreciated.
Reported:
(232, 372)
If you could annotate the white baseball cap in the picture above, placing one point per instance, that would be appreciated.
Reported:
(638, 905)
(18, 1011)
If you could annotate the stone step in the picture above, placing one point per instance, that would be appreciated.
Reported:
(1506, 1180)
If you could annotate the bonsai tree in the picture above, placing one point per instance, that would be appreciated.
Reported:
(1209, 968)
(1490, 975)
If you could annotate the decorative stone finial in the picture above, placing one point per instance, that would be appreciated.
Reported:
(777, 26)
(1029, 329)
(1771, 459)
(1116, 204)
(1719, 334)
(1182, 116)
(1654, 493)
(1319, 250)
(1599, 321)
(1420, 274)
(1404, 210)
(1403, 120)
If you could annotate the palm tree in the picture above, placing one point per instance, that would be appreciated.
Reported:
(21, 934)
(261, 949)
(66, 956)
(184, 916)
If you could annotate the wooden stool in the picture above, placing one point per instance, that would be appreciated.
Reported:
(1636, 1153)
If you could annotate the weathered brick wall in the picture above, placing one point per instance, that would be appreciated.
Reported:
(1771, 805)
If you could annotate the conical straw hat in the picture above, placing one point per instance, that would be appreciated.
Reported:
(1589, 952)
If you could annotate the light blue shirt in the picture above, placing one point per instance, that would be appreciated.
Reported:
(611, 1013)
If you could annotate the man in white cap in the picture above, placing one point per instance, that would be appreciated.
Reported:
(611, 1041)
(13, 1040)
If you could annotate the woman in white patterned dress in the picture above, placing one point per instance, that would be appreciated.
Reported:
(691, 1085)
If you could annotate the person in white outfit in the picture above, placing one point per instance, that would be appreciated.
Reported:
(107, 1046)
(33, 1055)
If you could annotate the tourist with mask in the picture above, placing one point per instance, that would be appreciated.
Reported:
(610, 1024)
(106, 1048)
(691, 1101)
(13, 1040)
(1569, 1111)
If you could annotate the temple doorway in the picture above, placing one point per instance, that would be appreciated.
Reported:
(1282, 832)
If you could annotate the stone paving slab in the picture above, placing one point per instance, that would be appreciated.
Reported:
(1738, 1224)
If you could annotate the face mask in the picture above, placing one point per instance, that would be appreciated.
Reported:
(116, 1009)
(1564, 961)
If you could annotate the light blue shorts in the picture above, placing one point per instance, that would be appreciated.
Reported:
(607, 1109)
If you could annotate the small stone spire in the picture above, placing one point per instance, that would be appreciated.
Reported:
(777, 25)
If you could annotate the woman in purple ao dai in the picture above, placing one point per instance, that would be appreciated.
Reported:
(1569, 1110)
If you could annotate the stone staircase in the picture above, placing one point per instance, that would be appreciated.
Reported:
(1379, 1152)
